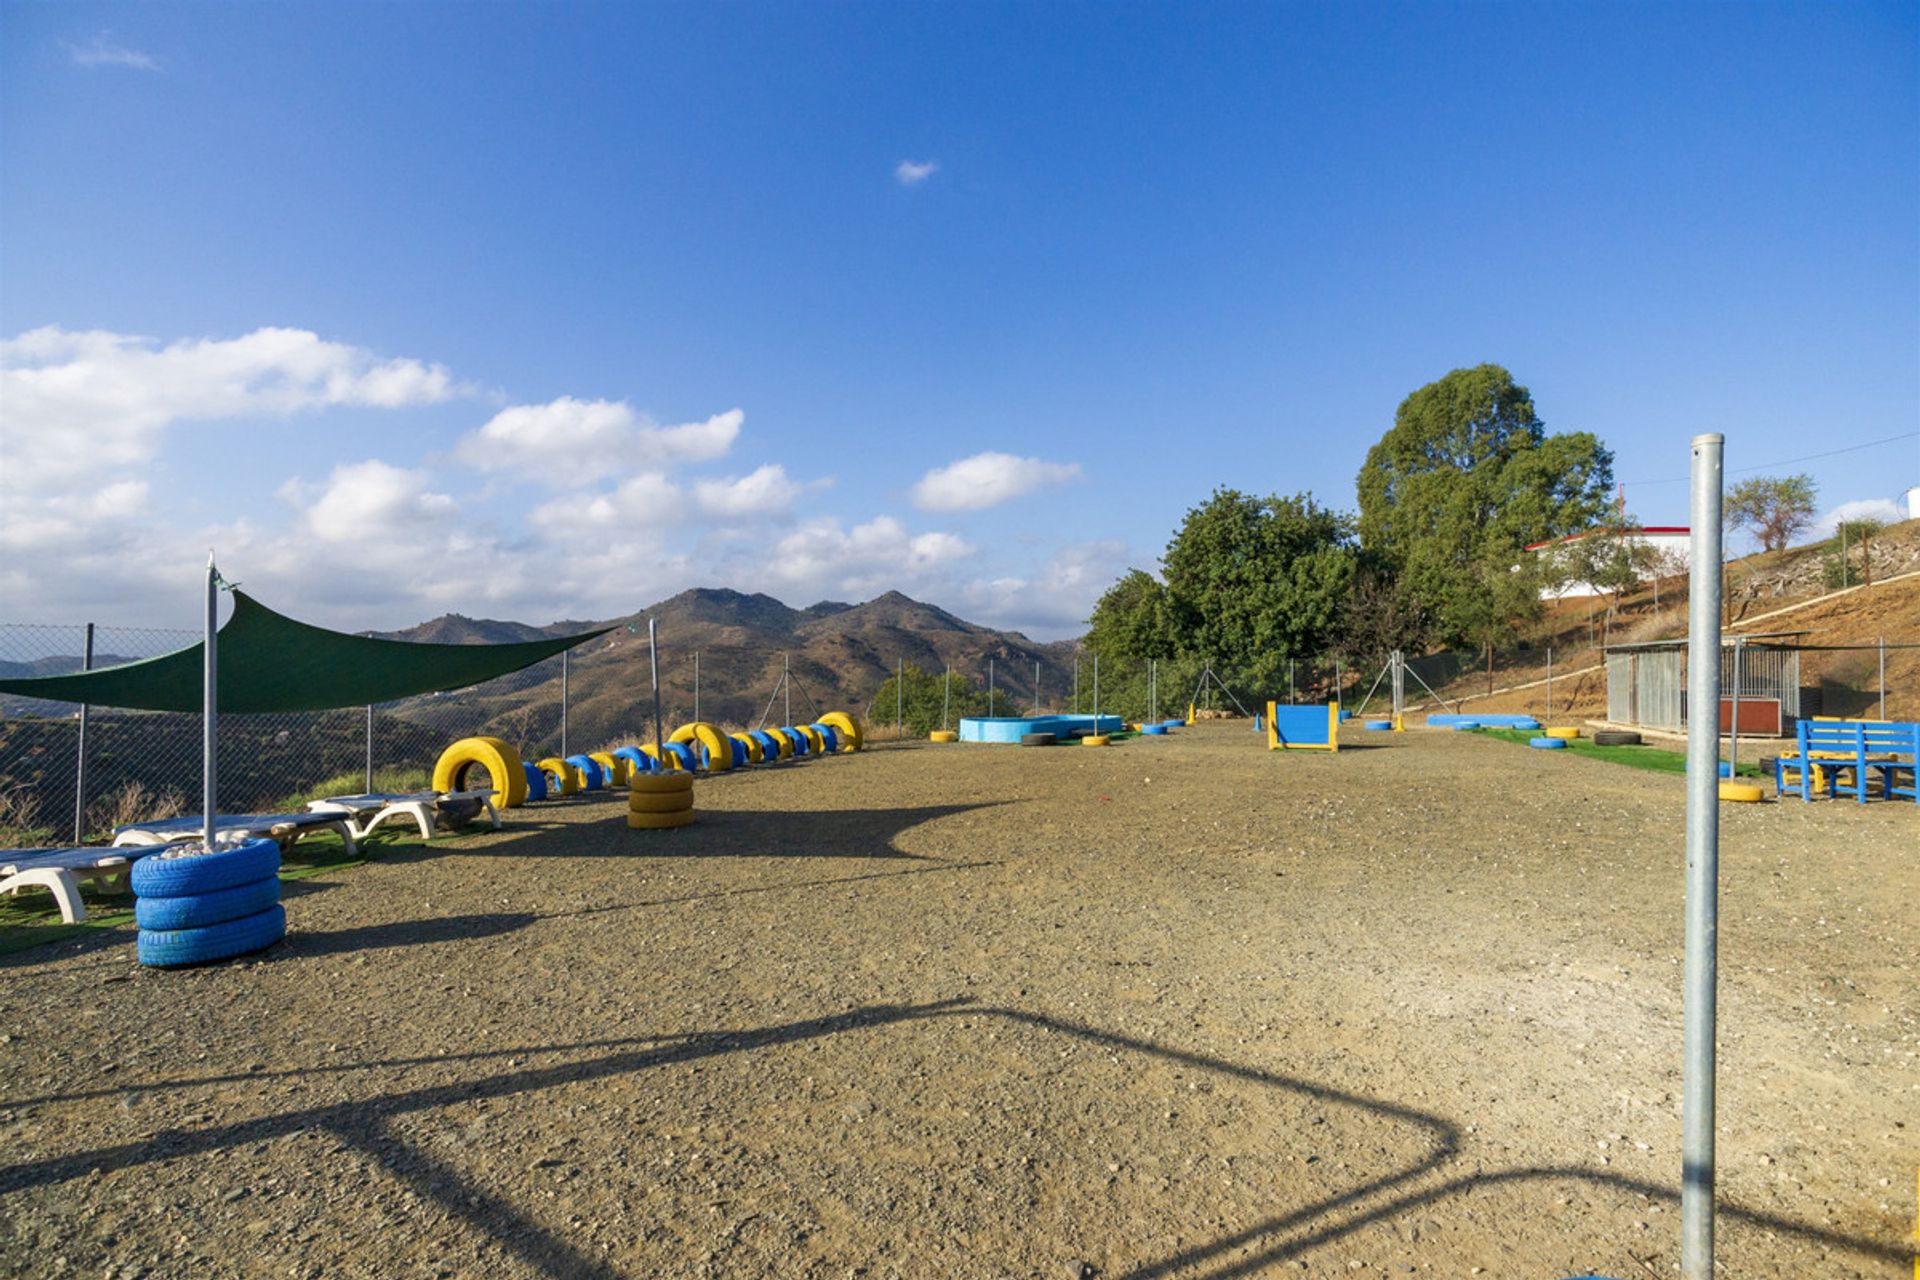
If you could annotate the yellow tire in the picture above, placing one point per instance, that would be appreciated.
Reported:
(1568, 734)
(659, 801)
(615, 767)
(943, 735)
(683, 734)
(658, 821)
(786, 743)
(1095, 740)
(660, 784)
(750, 745)
(501, 762)
(719, 750)
(1745, 792)
(851, 737)
(816, 741)
(569, 777)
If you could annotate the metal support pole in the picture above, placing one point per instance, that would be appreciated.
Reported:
(1699, 979)
(1733, 752)
(1549, 682)
(653, 663)
(786, 684)
(900, 699)
(369, 748)
(990, 699)
(1290, 696)
(1339, 684)
(696, 686)
(946, 696)
(1096, 693)
(80, 767)
(1880, 710)
(1076, 684)
(1036, 688)
(210, 708)
(564, 699)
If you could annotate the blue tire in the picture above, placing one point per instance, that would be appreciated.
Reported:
(829, 735)
(590, 770)
(163, 948)
(739, 752)
(1528, 725)
(1376, 724)
(196, 911)
(640, 760)
(536, 782)
(158, 876)
(769, 745)
(1548, 744)
(1158, 730)
(799, 740)
(683, 753)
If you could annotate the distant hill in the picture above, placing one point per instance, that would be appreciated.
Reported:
(840, 655)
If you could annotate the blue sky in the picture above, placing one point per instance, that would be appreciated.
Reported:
(549, 311)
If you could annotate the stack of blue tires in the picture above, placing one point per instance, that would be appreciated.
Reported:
(193, 908)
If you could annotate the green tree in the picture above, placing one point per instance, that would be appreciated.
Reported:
(1133, 619)
(1466, 478)
(1252, 582)
(1771, 508)
(925, 694)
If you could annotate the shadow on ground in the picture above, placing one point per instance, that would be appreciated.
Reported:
(367, 1124)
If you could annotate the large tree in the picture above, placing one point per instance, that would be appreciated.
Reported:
(1772, 508)
(1464, 480)
(1252, 582)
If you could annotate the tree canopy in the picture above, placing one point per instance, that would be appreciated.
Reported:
(1465, 479)
(1772, 508)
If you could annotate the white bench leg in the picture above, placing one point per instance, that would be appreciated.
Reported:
(64, 885)
(493, 814)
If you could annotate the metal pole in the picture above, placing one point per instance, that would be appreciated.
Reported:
(1703, 863)
(563, 703)
(1290, 697)
(1096, 693)
(1036, 688)
(80, 769)
(1733, 752)
(1880, 709)
(210, 707)
(369, 748)
(946, 695)
(1076, 684)
(786, 683)
(1549, 682)
(696, 686)
(900, 699)
(990, 703)
(653, 664)
(1339, 684)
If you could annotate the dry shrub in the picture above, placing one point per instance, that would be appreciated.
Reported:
(132, 802)
(20, 822)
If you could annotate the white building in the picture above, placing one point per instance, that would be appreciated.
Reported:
(1913, 503)
(1669, 541)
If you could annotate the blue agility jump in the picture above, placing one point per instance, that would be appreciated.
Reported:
(1308, 727)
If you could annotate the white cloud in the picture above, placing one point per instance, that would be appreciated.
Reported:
(102, 52)
(1054, 602)
(646, 501)
(824, 556)
(986, 480)
(574, 442)
(1884, 510)
(909, 173)
(75, 403)
(375, 502)
(764, 491)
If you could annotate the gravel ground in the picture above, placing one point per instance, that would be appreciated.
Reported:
(1175, 1008)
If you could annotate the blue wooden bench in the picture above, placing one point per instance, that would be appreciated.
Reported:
(1841, 757)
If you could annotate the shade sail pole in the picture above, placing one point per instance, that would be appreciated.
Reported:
(210, 706)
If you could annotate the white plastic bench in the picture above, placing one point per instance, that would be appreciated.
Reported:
(365, 812)
(60, 871)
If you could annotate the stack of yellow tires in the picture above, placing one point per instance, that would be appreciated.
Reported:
(656, 801)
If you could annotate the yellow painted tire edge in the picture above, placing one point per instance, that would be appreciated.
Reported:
(786, 743)
(616, 768)
(571, 782)
(1095, 740)
(658, 821)
(659, 801)
(750, 745)
(851, 735)
(500, 760)
(943, 735)
(1744, 792)
(1568, 734)
(660, 784)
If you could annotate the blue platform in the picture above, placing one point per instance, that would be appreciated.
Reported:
(1010, 728)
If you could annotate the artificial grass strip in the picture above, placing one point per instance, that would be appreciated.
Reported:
(1651, 758)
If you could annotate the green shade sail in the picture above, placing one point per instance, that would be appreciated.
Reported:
(270, 662)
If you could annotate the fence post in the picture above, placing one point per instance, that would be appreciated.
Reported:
(696, 685)
(1036, 687)
(1550, 681)
(989, 687)
(786, 684)
(210, 707)
(1880, 711)
(369, 748)
(80, 768)
(653, 662)
(1700, 974)
(900, 700)
(563, 704)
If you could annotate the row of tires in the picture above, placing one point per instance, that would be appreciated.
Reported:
(692, 748)
(195, 907)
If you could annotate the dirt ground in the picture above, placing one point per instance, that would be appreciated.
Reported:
(1174, 1008)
